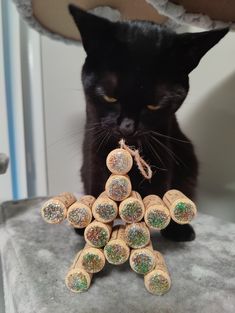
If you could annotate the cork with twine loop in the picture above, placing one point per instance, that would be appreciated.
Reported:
(143, 167)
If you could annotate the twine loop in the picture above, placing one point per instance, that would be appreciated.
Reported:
(143, 166)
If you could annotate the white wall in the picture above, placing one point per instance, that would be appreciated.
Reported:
(208, 117)
(64, 113)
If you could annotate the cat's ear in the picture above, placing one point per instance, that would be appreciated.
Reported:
(95, 31)
(193, 46)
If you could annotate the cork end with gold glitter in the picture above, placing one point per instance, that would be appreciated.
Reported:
(54, 212)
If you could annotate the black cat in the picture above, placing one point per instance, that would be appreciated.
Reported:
(135, 77)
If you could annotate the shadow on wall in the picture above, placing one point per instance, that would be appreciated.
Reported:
(212, 125)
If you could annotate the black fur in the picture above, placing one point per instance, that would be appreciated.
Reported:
(140, 63)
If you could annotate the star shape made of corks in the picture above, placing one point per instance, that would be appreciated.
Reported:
(129, 239)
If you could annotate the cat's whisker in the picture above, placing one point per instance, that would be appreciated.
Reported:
(93, 127)
(173, 155)
(109, 135)
(142, 181)
(98, 132)
(103, 140)
(169, 137)
(168, 150)
(73, 135)
(93, 124)
(66, 136)
(154, 152)
(99, 136)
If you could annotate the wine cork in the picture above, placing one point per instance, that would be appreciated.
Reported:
(79, 213)
(137, 235)
(118, 187)
(97, 234)
(104, 210)
(182, 209)
(116, 251)
(119, 161)
(92, 259)
(157, 215)
(54, 211)
(142, 260)
(132, 209)
(77, 278)
(158, 280)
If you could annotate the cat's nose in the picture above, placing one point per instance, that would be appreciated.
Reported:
(127, 126)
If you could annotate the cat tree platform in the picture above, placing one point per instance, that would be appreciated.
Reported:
(35, 258)
(51, 18)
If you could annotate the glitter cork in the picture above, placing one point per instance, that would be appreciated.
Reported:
(54, 211)
(116, 251)
(79, 213)
(157, 215)
(118, 187)
(104, 210)
(92, 259)
(97, 234)
(182, 209)
(137, 235)
(119, 161)
(132, 209)
(77, 278)
(142, 260)
(158, 280)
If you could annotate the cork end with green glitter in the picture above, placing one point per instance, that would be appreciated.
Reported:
(131, 211)
(137, 237)
(97, 236)
(92, 262)
(183, 212)
(77, 282)
(158, 284)
(116, 254)
(157, 219)
(142, 263)
(53, 213)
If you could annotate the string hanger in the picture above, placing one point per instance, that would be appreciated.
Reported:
(144, 168)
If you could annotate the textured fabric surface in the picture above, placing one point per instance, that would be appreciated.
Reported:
(36, 257)
(176, 14)
(24, 8)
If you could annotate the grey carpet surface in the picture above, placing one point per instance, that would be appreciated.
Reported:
(36, 257)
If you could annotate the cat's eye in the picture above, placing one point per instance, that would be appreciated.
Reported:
(109, 99)
(153, 107)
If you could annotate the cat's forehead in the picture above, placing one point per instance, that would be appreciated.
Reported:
(144, 36)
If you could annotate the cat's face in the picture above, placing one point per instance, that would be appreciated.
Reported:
(131, 93)
(135, 75)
